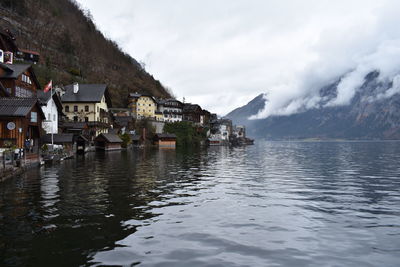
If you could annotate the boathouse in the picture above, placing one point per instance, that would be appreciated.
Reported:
(66, 140)
(108, 142)
(20, 123)
(165, 140)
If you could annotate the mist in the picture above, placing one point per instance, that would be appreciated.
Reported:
(222, 54)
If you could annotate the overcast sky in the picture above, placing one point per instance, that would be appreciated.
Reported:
(222, 53)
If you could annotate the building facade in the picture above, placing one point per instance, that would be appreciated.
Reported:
(88, 103)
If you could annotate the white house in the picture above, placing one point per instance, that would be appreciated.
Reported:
(171, 109)
(52, 109)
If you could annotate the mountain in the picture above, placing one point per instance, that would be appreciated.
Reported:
(73, 49)
(370, 115)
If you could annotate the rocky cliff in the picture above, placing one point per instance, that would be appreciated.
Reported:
(72, 48)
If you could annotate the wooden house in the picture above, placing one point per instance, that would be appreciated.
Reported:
(165, 140)
(192, 112)
(20, 123)
(108, 142)
(19, 80)
(27, 55)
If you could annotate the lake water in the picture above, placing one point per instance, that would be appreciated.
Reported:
(271, 204)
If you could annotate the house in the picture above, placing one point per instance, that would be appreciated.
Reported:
(20, 123)
(27, 56)
(192, 112)
(143, 106)
(220, 132)
(165, 140)
(171, 110)
(19, 80)
(124, 123)
(88, 103)
(8, 47)
(106, 141)
(51, 105)
(132, 103)
(76, 128)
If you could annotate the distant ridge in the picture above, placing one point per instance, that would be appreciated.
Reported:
(361, 119)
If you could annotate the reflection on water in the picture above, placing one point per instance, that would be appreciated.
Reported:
(273, 204)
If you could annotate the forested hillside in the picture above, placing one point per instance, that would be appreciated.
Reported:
(73, 49)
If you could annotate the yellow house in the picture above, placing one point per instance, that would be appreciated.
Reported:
(88, 103)
(146, 107)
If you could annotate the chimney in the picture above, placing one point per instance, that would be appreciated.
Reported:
(76, 88)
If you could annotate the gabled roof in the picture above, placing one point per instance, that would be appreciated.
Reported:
(58, 138)
(123, 120)
(74, 125)
(86, 93)
(44, 98)
(134, 137)
(134, 95)
(17, 107)
(111, 138)
(13, 71)
(191, 107)
(165, 136)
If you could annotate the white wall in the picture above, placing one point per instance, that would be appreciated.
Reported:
(51, 113)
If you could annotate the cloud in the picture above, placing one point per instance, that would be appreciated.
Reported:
(221, 54)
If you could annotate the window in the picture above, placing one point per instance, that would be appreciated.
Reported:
(26, 79)
(33, 116)
(86, 108)
(75, 108)
(23, 92)
(49, 116)
(75, 118)
(54, 117)
(66, 108)
(86, 119)
(98, 109)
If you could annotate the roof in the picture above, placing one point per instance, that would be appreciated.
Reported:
(123, 120)
(111, 138)
(86, 93)
(13, 71)
(74, 125)
(166, 135)
(134, 137)
(17, 107)
(134, 95)
(191, 107)
(44, 98)
(58, 138)
(29, 51)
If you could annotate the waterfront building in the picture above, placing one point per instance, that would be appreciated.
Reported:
(192, 112)
(171, 110)
(143, 106)
(64, 140)
(165, 140)
(20, 123)
(107, 141)
(51, 105)
(88, 103)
